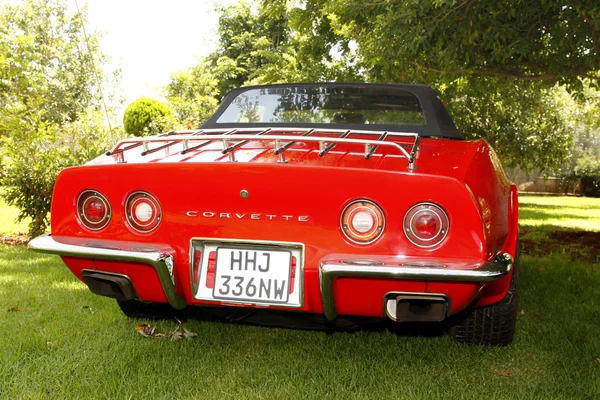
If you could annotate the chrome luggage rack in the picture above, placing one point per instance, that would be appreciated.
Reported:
(284, 138)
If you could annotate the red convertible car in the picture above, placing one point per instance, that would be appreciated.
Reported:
(332, 200)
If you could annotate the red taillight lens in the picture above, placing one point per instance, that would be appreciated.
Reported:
(426, 224)
(93, 210)
(143, 212)
(362, 222)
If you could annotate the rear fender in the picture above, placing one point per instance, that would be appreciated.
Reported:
(496, 291)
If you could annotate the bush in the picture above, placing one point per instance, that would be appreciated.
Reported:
(146, 116)
(36, 153)
(584, 162)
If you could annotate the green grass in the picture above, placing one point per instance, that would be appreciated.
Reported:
(8, 220)
(582, 213)
(55, 348)
(568, 227)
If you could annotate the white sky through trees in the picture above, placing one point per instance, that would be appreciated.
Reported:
(150, 39)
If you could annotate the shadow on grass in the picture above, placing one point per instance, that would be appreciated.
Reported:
(310, 322)
(568, 243)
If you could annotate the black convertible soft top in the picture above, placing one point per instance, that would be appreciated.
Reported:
(356, 106)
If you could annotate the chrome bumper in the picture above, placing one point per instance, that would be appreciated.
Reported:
(159, 260)
(330, 269)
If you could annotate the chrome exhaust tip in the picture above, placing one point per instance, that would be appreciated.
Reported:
(411, 307)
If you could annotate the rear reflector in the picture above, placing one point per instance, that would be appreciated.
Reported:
(93, 210)
(362, 222)
(426, 224)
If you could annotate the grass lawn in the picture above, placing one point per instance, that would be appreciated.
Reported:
(8, 220)
(567, 227)
(54, 347)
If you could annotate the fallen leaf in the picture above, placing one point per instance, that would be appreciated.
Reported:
(14, 309)
(145, 330)
(189, 334)
(503, 373)
(179, 333)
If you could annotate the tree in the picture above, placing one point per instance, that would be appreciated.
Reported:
(547, 40)
(257, 48)
(50, 103)
(496, 64)
(192, 95)
(146, 116)
(47, 67)
(583, 161)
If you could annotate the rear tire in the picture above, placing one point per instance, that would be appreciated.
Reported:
(155, 311)
(492, 325)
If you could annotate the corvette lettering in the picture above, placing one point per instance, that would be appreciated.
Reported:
(255, 216)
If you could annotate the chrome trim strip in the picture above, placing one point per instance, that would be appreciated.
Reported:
(492, 270)
(158, 260)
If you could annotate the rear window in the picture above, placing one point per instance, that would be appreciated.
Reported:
(325, 105)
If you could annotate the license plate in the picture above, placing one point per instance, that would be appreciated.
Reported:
(254, 275)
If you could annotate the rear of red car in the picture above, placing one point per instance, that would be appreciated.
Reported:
(334, 228)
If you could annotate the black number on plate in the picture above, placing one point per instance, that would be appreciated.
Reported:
(263, 288)
(246, 261)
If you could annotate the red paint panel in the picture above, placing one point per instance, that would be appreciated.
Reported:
(461, 294)
(365, 296)
(76, 265)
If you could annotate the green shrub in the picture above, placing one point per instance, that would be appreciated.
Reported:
(146, 116)
(36, 153)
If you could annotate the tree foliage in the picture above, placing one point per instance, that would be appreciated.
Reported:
(50, 105)
(146, 116)
(531, 40)
(192, 95)
(583, 161)
(256, 48)
(45, 68)
(501, 67)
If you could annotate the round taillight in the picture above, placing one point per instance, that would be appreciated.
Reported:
(362, 222)
(93, 210)
(426, 224)
(143, 212)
